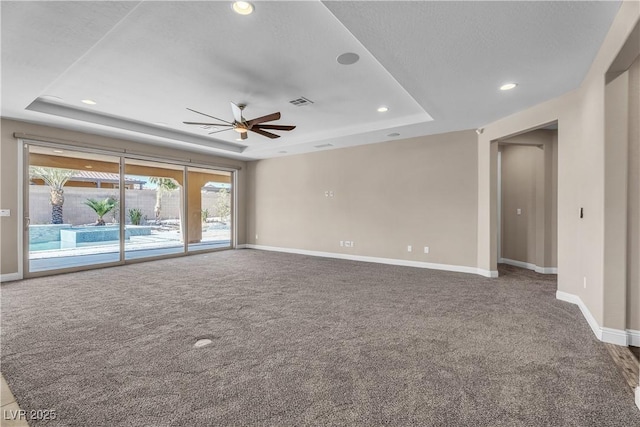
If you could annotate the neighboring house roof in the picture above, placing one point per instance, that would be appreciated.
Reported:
(215, 188)
(91, 176)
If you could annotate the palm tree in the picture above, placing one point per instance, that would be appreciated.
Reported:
(163, 185)
(55, 178)
(101, 207)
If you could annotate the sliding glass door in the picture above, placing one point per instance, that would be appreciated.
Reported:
(71, 209)
(209, 205)
(85, 208)
(154, 202)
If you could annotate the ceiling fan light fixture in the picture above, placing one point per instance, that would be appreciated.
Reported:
(242, 7)
(508, 86)
(240, 130)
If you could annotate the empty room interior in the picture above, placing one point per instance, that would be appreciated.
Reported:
(320, 213)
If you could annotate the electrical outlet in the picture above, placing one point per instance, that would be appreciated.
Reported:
(409, 248)
(330, 193)
(426, 249)
(584, 281)
(341, 242)
(518, 211)
(256, 237)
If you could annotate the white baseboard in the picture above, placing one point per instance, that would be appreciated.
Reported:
(608, 335)
(9, 277)
(634, 337)
(615, 336)
(546, 270)
(391, 261)
(638, 397)
(242, 246)
(529, 266)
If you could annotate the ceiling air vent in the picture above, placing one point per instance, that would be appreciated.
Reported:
(301, 102)
(323, 145)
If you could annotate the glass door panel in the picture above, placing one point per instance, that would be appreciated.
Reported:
(72, 209)
(209, 205)
(154, 200)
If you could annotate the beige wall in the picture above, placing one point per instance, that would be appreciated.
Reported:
(615, 200)
(418, 192)
(529, 183)
(633, 212)
(9, 175)
(581, 173)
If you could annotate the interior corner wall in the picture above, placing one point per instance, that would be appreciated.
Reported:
(633, 189)
(9, 179)
(529, 184)
(581, 142)
(616, 150)
(383, 197)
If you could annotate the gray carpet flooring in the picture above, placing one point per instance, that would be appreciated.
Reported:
(299, 340)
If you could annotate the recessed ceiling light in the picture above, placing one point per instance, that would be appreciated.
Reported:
(242, 7)
(58, 151)
(89, 102)
(348, 58)
(383, 109)
(394, 134)
(508, 86)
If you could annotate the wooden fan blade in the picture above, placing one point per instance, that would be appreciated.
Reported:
(275, 127)
(237, 113)
(198, 112)
(243, 135)
(218, 131)
(206, 124)
(264, 133)
(267, 118)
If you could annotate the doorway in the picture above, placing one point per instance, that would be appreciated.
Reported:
(527, 199)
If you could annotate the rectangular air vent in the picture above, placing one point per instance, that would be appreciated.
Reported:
(323, 145)
(300, 102)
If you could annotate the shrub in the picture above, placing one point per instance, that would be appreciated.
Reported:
(135, 215)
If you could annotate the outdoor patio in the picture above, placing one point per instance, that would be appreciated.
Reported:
(158, 242)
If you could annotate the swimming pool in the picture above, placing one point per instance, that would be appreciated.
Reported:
(57, 245)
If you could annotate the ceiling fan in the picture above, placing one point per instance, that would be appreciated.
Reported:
(242, 126)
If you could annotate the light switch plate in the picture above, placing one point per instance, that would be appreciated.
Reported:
(5, 212)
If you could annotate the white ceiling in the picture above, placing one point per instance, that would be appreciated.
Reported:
(436, 65)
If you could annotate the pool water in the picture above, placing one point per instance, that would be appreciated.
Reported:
(52, 246)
